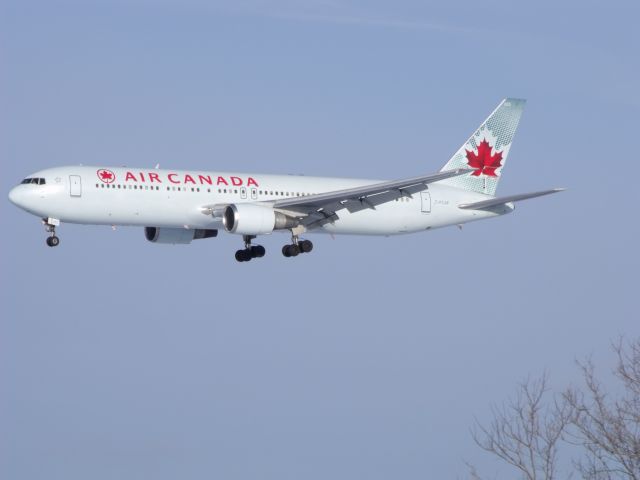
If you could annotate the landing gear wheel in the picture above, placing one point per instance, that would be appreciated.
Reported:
(250, 251)
(305, 246)
(290, 250)
(53, 241)
(243, 255)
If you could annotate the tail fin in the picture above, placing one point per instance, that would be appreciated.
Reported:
(487, 149)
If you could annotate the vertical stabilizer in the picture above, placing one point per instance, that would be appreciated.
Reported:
(487, 149)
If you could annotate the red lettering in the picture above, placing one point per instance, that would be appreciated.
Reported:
(141, 177)
(171, 179)
(236, 181)
(251, 181)
(189, 179)
(204, 179)
(221, 181)
(153, 177)
(130, 176)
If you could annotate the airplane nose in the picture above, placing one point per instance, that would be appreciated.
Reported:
(14, 196)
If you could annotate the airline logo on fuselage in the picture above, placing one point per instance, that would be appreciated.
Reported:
(107, 176)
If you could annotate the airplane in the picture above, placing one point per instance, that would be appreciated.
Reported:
(177, 207)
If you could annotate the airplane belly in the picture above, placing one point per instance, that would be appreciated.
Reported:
(133, 209)
(404, 216)
(386, 219)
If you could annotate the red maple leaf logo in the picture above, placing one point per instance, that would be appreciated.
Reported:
(483, 161)
(107, 176)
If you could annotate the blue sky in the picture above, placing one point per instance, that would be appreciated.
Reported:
(370, 357)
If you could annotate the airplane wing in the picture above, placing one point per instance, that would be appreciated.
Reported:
(493, 202)
(316, 210)
(319, 209)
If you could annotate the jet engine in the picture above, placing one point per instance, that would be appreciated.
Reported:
(251, 219)
(176, 235)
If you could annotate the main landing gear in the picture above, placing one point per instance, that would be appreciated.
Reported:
(250, 251)
(50, 225)
(257, 251)
(297, 247)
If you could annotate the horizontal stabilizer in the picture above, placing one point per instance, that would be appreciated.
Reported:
(493, 202)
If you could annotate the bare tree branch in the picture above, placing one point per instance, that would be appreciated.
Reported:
(608, 430)
(525, 432)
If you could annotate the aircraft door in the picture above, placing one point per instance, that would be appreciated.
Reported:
(425, 198)
(75, 185)
(254, 194)
(243, 193)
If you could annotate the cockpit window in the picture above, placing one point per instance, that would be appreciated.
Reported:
(37, 181)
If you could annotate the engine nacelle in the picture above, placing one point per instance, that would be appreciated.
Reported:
(176, 235)
(251, 219)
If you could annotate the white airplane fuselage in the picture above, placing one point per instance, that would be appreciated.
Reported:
(177, 199)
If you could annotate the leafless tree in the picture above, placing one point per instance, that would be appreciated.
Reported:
(608, 429)
(603, 429)
(526, 431)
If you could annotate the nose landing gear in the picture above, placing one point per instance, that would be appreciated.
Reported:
(50, 225)
(250, 251)
(53, 241)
